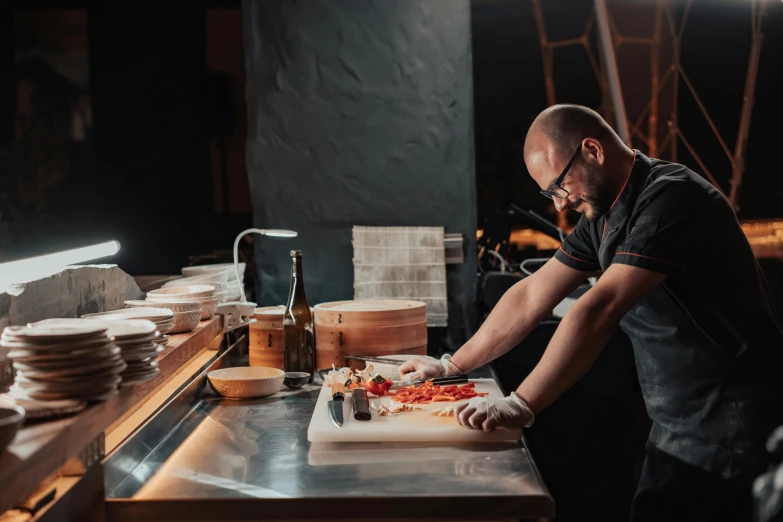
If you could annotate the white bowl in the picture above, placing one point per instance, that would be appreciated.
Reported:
(208, 304)
(246, 381)
(188, 291)
(206, 269)
(206, 278)
(173, 305)
(185, 322)
(219, 287)
(234, 291)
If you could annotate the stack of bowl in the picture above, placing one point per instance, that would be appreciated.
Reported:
(63, 359)
(204, 295)
(185, 314)
(232, 285)
(218, 279)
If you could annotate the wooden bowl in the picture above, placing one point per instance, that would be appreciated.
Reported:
(246, 382)
(11, 419)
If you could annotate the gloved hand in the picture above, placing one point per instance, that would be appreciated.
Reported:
(420, 368)
(488, 413)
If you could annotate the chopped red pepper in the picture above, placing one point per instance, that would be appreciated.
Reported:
(429, 392)
(378, 385)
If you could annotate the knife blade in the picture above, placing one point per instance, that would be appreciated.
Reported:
(454, 379)
(336, 405)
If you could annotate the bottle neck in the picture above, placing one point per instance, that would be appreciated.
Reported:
(296, 290)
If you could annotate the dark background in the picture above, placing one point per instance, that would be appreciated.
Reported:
(149, 174)
(161, 165)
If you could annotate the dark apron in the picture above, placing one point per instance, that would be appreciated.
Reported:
(713, 403)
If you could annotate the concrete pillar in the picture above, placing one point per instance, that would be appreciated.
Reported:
(360, 113)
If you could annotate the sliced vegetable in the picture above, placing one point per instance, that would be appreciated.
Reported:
(378, 385)
(345, 376)
(429, 392)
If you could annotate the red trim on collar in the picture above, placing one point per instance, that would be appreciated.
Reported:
(624, 185)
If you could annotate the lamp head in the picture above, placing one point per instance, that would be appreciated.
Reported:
(279, 232)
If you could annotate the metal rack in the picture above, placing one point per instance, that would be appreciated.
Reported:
(669, 21)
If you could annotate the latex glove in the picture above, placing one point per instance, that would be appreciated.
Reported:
(488, 413)
(420, 368)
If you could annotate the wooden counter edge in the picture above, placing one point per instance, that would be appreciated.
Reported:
(40, 449)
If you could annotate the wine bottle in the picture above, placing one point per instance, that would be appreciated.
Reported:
(298, 327)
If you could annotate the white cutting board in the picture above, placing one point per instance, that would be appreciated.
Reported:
(413, 426)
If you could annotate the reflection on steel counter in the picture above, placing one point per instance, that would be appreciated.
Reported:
(230, 457)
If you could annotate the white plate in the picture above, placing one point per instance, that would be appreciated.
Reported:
(56, 333)
(149, 313)
(122, 329)
(171, 304)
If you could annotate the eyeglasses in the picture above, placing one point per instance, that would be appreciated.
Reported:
(555, 190)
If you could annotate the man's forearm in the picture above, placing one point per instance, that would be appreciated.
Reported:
(581, 336)
(512, 319)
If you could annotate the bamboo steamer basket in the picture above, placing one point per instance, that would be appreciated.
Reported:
(266, 338)
(368, 327)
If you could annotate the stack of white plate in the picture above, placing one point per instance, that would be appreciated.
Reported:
(164, 318)
(186, 314)
(139, 349)
(204, 295)
(232, 284)
(63, 359)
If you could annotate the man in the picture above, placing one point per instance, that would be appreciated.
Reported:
(679, 277)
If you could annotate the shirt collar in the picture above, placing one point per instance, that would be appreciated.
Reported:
(637, 178)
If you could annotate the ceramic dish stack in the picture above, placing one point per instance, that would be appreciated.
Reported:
(204, 295)
(164, 319)
(61, 359)
(232, 284)
(136, 339)
(218, 279)
(186, 314)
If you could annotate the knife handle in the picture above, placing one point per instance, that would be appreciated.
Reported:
(450, 379)
(453, 379)
(361, 405)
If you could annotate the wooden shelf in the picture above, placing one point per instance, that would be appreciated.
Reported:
(41, 449)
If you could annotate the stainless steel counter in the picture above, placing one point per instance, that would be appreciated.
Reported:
(205, 458)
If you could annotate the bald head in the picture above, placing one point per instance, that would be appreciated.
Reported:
(562, 127)
(571, 150)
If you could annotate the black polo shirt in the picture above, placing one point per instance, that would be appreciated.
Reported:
(707, 340)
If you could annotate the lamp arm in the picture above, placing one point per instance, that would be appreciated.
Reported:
(236, 256)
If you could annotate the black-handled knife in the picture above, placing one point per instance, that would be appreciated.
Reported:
(361, 405)
(453, 379)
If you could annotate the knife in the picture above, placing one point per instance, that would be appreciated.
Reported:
(393, 362)
(361, 405)
(454, 379)
(336, 405)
